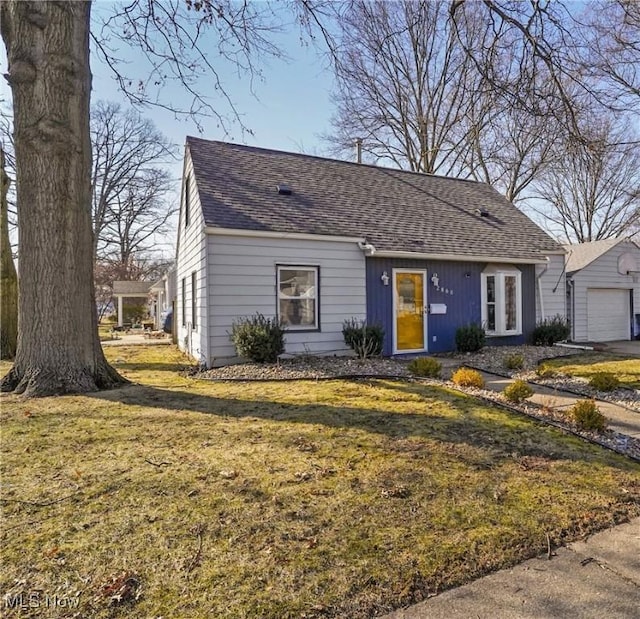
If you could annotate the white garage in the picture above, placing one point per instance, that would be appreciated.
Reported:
(608, 315)
(603, 288)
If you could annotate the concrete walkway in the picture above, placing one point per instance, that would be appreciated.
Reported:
(134, 339)
(594, 579)
(620, 419)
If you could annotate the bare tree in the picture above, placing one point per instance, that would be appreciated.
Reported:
(592, 190)
(8, 274)
(589, 54)
(137, 217)
(127, 149)
(402, 85)
(58, 348)
(47, 47)
(611, 55)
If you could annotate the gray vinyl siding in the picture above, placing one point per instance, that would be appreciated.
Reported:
(191, 257)
(602, 273)
(552, 284)
(242, 281)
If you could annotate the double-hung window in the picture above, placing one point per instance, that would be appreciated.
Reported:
(502, 300)
(298, 302)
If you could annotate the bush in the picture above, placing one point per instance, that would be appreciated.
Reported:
(134, 312)
(517, 391)
(546, 371)
(365, 340)
(466, 377)
(514, 362)
(470, 338)
(587, 416)
(258, 338)
(551, 330)
(604, 381)
(425, 366)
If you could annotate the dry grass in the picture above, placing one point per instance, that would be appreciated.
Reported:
(304, 499)
(586, 365)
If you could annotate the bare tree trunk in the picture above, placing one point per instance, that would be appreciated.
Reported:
(8, 276)
(58, 346)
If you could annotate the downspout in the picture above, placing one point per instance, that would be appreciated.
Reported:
(539, 281)
(572, 307)
(367, 247)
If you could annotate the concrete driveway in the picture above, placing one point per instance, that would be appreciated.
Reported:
(625, 347)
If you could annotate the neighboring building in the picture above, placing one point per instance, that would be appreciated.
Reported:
(603, 290)
(316, 241)
(138, 291)
(164, 294)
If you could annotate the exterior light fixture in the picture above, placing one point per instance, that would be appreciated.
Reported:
(384, 278)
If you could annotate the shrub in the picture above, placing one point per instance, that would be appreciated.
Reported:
(365, 340)
(425, 366)
(604, 381)
(134, 312)
(466, 377)
(470, 338)
(514, 362)
(517, 391)
(551, 330)
(546, 371)
(587, 416)
(258, 338)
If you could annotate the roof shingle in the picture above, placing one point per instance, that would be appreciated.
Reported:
(393, 209)
(583, 254)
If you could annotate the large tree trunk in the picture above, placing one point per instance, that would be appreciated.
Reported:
(58, 346)
(8, 275)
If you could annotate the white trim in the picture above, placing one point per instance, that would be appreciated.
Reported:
(459, 257)
(281, 235)
(499, 273)
(394, 304)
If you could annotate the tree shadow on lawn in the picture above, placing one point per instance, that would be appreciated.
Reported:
(469, 421)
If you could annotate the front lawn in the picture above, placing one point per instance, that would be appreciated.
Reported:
(293, 499)
(588, 364)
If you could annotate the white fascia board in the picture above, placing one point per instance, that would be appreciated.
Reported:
(282, 235)
(458, 257)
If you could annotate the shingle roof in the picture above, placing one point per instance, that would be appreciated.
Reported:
(136, 288)
(393, 209)
(582, 254)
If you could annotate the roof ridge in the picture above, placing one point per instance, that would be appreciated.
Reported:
(341, 161)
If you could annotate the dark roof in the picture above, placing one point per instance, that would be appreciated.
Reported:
(393, 209)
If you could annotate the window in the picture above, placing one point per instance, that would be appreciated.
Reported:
(183, 302)
(502, 300)
(187, 200)
(298, 306)
(194, 305)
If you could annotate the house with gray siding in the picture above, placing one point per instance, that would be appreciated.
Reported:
(603, 290)
(314, 242)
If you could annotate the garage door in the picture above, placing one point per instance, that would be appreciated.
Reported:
(607, 315)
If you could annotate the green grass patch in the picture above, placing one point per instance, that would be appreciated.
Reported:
(626, 370)
(273, 500)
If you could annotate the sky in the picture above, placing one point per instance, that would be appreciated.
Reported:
(287, 109)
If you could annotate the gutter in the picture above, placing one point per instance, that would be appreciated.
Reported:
(268, 234)
(459, 257)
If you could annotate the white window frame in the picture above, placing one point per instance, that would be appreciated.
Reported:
(316, 309)
(500, 272)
